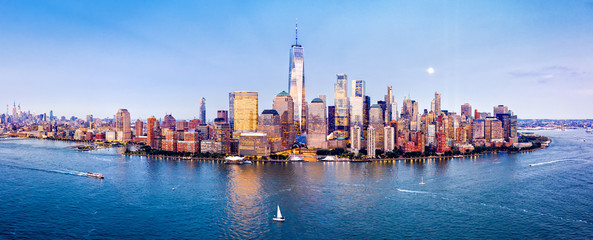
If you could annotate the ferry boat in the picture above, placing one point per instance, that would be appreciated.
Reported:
(235, 160)
(95, 175)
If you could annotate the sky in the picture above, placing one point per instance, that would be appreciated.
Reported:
(157, 57)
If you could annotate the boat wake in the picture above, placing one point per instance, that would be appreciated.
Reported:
(411, 191)
(61, 171)
(544, 163)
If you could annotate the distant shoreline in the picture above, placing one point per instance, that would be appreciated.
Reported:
(160, 156)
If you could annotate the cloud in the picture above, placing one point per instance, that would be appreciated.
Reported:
(585, 92)
(548, 74)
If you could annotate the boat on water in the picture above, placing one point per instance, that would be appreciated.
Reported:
(279, 217)
(422, 182)
(235, 160)
(247, 162)
(95, 175)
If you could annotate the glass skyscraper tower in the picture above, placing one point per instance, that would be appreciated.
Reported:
(296, 85)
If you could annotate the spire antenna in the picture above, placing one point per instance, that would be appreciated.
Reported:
(296, 32)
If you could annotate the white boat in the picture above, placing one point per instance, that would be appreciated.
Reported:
(95, 175)
(422, 183)
(279, 217)
(247, 162)
(234, 160)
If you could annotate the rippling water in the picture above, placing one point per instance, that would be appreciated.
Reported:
(44, 194)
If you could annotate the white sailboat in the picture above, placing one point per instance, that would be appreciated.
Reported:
(279, 217)
(422, 183)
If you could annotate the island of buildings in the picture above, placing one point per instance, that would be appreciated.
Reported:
(353, 127)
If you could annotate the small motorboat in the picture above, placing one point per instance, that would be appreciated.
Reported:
(279, 217)
(95, 175)
(422, 182)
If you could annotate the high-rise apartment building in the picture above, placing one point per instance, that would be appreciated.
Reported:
(123, 125)
(138, 128)
(296, 85)
(203, 110)
(371, 141)
(357, 103)
(376, 121)
(437, 103)
(355, 139)
(284, 106)
(317, 126)
(150, 131)
(270, 124)
(389, 100)
(388, 139)
(232, 110)
(245, 111)
(341, 105)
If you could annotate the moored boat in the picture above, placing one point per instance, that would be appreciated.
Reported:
(234, 160)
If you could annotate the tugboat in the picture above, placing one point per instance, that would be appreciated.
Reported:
(95, 175)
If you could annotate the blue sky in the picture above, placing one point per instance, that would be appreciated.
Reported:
(157, 57)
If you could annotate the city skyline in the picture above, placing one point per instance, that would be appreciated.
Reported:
(66, 57)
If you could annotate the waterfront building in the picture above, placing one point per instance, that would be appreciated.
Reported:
(357, 103)
(245, 111)
(150, 131)
(371, 142)
(211, 146)
(224, 114)
(203, 110)
(388, 139)
(497, 133)
(341, 105)
(376, 120)
(284, 106)
(123, 125)
(365, 112)
(139, 128)
(296, 85)
(269, 123)
(222, 134)
(477, 129)
(254, 144)
(170, 141)
(110, 136)
(355, 139)
(190, 142)
(317, 126)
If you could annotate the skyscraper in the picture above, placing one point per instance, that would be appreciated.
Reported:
(232, 110)
(123, 125)
(500, 109)
(389, 105)
(437, 103)
(357, 103)
(296, 84)
(150, 131)
(317, 128)
(376, 121)
(341, 104)
(284, 105)
(203, 110)
(245, 111)
(138, 128)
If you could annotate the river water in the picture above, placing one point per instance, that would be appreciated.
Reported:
(45, 195)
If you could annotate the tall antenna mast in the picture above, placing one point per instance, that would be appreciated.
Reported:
(296, 32)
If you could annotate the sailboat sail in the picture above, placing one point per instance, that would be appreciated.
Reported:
(278, 213)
